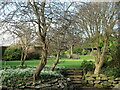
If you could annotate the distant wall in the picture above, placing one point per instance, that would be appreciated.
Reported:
(35, 49)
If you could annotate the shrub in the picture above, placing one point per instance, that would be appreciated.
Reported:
(112, 71)
(87, 65)
(33, 55)
(12, 53)
(77, 50)
(63, 54)
(84, 52)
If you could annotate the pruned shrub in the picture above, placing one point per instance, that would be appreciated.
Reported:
(87, 65)
(33, 55)
(84, 52)
(12, 53)
(77, 50)
(112, 71)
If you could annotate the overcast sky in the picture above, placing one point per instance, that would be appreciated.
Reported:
(7, 39)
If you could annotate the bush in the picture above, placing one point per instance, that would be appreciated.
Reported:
(112, 71)
(77, 50)
(84, 52)
(63, 54)
(12, 53)
(87, 65)
(33, 55)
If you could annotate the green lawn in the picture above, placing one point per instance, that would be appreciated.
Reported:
(63, 62)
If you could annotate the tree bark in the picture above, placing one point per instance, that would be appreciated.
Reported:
(42, 63)
(71, 50)
(56, 61)
(99, 60)
(23, 57)
(23, 60)
(98, 67)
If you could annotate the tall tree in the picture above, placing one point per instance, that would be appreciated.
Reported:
(40, 14)
(57, 37)
(58, 40)
(26, 37)
(97, 21)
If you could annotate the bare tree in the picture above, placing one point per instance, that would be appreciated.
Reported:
(58, 40)
(74, 37)
(26, 35)
(97, 20)
(41, 14)
(38, 13)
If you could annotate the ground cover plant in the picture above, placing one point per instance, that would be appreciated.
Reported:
(19, 77)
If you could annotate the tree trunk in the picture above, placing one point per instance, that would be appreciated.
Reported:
(71, 50)
(56, 61)
(42, 63)
(98, 67)
(99, 60)
(23, 57)
(23, 60)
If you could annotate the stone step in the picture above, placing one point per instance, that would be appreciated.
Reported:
(75, 76)
(76, 82)
(76, 73)
(76, 79)
(73, 70)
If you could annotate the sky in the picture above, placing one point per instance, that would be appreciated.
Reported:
(63, 0)
(7, 39)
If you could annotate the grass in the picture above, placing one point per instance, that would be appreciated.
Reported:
(64, 62)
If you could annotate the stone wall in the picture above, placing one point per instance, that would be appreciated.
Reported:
(99, 81)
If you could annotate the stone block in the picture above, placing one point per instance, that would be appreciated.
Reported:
(106, 83)
(104, 78)
(94, 75)
(98, 78)
(90, 78)
(88, 74)
(102, 75)
(117, 79)
(97, 82)
(90, 82)
(111, 78)
(98, 85)
(113, 81)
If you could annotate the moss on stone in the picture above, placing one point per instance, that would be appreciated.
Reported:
(102, 75)
(111, 78)
(98, 78)
(84, 81)
(90, 78)
(88, 74)
(98, 85)
(104, 78)
(106, 83)
(117, 79)
(94, 75)
(112, 81)
(97, 81)
(90, 82)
